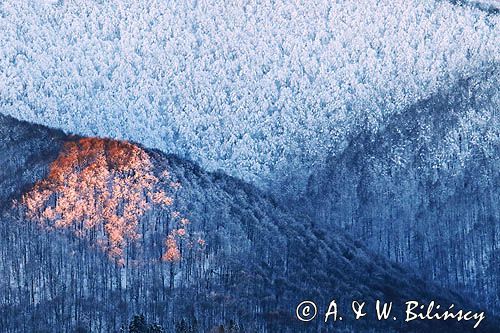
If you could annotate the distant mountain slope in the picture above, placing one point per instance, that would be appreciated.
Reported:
(255, 264)
(425, 191)
(258, 90)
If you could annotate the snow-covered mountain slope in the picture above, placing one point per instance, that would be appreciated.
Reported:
(260, 90)
(60, 272)
(14, 173)
(425, 191)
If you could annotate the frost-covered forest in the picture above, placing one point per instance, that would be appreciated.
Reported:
(363, 138)
(425, 190)
(258, 89)
(259, 261)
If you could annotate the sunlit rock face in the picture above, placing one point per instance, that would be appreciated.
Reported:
(261, 91)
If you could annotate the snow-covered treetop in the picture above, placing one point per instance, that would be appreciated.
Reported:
(486, 4)
(254, 88)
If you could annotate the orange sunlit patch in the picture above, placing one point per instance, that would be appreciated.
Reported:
(101, 186)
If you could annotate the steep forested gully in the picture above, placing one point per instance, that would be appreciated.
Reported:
(424, 190)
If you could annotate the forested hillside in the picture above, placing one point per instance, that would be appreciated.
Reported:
(201, 248)
(364, 138)
(262, 90)
(424, 191)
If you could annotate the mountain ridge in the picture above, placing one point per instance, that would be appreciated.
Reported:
(259, 262)
(425, 184)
